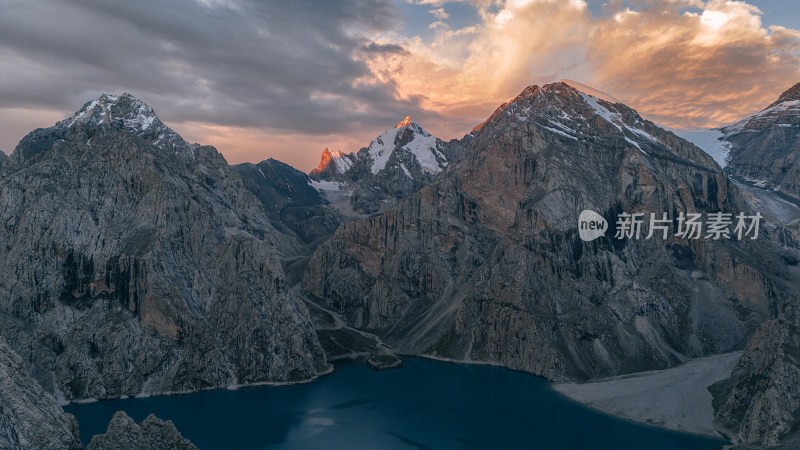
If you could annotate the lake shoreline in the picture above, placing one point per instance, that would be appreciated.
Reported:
(676, 398)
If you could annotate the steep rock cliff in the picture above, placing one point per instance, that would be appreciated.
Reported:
(485, 263)
(135, 263)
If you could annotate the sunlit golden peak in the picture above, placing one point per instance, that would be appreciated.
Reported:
(405, 122)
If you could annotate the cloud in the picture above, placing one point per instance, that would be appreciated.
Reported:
(439, 13)
(290, 68)
(288, 78)
(695, 69)
(681, 62)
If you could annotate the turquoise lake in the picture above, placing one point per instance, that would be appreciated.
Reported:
(425, 405)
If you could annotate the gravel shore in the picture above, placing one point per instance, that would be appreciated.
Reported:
(675, 398)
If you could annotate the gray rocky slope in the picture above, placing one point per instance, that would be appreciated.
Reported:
(299, 213)
(760, 404)
(134, 263)
(396, 164)
(29, 416)
(485, 263)
(294, 206)
(153, 433)
(765, 147)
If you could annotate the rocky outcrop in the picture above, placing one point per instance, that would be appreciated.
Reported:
(30, 417)
(152, 434)
(133, 263)
(485, 263)
(3, 157)
(760, 404)
(765, 147)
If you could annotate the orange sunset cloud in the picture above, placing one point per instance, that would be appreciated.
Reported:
(680, 63)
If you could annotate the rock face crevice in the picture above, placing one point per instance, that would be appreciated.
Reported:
(138, 264)
(485, 263)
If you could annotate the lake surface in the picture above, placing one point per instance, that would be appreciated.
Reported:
(424, 404)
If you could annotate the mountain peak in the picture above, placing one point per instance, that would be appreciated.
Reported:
(588, 90)
(332, 162)
(791, 94)
(405, 122)
(332, 153)
(407, 136)
(132, 112)
(782, 112)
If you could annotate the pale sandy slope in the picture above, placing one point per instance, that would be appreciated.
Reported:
(674, 398)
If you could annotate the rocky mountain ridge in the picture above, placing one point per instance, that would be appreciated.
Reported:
(153, 433)
(484, 263)
(395, 164)
(765, 147)
(136, 263)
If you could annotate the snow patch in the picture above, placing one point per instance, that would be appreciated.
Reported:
(325, 185)
(632, 142)
(602, 111)
(558, 132)
(341, 162)
(710, 141)
(643, 134)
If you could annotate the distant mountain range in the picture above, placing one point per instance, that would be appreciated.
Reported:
(135, 263)
(395, 164)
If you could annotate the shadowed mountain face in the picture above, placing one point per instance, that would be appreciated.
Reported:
(765, 147)
(485, 263)
(135, 263)
(294, 207)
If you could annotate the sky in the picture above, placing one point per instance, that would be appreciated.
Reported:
(285, 79)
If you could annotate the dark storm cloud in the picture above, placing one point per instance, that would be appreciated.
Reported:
(294, 66)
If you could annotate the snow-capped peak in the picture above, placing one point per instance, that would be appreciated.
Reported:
(419, 143)
(135, 117)
(588, 90)
(340, 162)
(783, 112)
(132, 112)
(791, 94)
